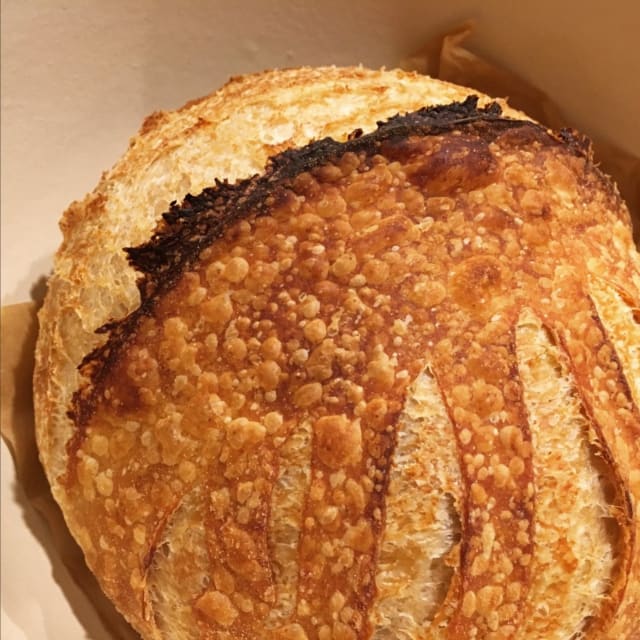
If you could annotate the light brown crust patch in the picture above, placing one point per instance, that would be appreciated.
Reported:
(281, 309)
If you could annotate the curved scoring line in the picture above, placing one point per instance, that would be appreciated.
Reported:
(173, 598)
(421, 522)
(285, 520)
(569, 578)
(622, 327)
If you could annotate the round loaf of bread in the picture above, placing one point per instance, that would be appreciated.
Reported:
(339, 354)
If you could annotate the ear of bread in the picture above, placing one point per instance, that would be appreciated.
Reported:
(377, 390)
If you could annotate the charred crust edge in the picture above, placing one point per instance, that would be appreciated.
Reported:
(191, 226)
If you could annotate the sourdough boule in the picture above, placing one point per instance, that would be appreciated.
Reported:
(376, 376)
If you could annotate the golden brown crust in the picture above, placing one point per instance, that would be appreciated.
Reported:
(292, 327)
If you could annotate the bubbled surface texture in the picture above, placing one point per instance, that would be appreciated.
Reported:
(386, 389)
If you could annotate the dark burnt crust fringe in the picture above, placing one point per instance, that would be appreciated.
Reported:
(189, 227)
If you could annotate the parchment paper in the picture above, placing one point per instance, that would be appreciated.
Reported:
(444, 57)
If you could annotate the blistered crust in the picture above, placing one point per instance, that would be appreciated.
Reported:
(200, 220)
(315, 295)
